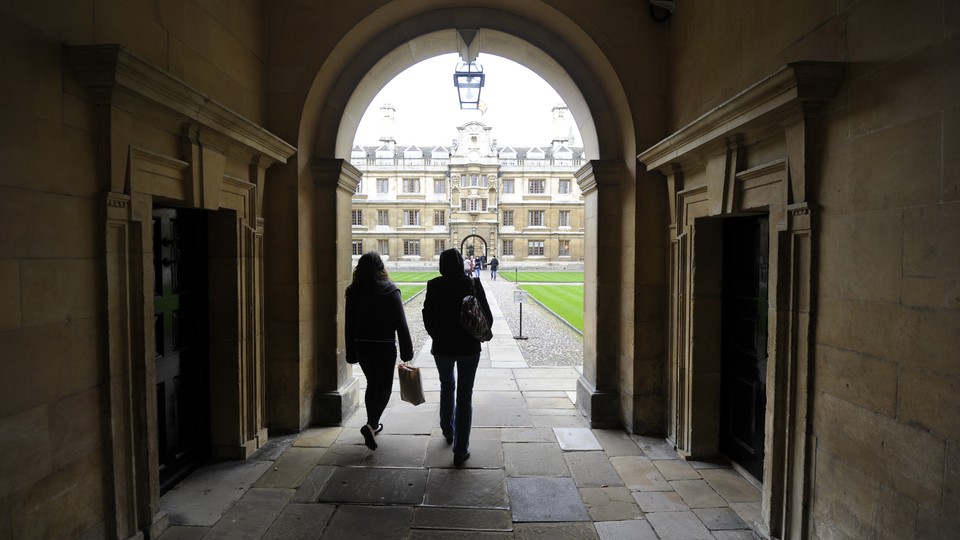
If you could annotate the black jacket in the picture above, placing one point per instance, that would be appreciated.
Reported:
(375, 315)
(441, 308)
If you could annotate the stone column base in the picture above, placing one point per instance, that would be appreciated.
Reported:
(333, 408)
(602, 409)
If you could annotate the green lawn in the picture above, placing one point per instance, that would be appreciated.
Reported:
(564, 300)
(407, 291)
(543, 277)
(412, 277)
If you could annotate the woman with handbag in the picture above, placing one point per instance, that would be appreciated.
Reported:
(453, 346)
(374, 320)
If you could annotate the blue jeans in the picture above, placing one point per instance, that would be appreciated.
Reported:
(457, 420)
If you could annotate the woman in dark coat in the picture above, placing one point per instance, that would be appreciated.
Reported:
(454, 347)
(374, 318)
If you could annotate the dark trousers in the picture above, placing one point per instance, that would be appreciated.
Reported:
(457, 419)
(378, 362)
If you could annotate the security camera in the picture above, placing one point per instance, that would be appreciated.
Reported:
(660, 10)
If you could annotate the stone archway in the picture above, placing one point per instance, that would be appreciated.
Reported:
(368, 55)
(463, 244)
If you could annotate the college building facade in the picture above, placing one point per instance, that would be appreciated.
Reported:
(520, 204)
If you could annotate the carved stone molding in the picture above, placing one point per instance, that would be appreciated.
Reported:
(709, 176)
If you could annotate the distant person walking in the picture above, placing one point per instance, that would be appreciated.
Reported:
(454, 347)
(467, 267)
(477, 265)
(374, 321)
(494, 264)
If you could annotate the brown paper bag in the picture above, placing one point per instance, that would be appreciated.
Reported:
(411, 387)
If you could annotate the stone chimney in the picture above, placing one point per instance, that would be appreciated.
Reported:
(388, 126)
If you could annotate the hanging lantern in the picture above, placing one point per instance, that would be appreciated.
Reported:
(468, 78)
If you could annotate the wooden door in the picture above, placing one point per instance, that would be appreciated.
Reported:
(744, 341)
(180, 321)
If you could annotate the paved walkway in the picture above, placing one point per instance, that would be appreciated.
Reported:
(536, 471)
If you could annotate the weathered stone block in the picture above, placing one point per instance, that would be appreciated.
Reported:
(63, 505)
(877, 35)
(56, 290)
(863, 255)
(60, 235)
(845, 500)
(881, 448)
(10, 314)
(931, 400)
(862, 380)
(951, 150)
(916, 86)
(927, 252)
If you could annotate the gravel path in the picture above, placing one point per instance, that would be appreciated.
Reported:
(550, 341)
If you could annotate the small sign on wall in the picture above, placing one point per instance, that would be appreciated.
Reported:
(519, 297)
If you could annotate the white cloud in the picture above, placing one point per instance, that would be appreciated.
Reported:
(518, 103)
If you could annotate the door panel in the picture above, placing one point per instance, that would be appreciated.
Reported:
(180, 311)
(744, 341)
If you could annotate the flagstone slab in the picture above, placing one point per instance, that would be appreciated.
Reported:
(274, 447)
(546, 384)
(678, 526)
(639, 473)
(203, 497)
(291, 468)
(731, 485)
(323, 437)
(610, 503)
(735, 535)
(484, 454)
(542, 499)
(616, 442)
(550, 403)
(527, 434)
(463, 519)
(637, 529)
(418, 420)
(501, 417)
(498, 399)
(470, 488)
(697, 494)
(398, 451)
(534, 459)
(660, 501)
(184, 532)
(373, 522)
(560, 421)
(576, 439)
(675, 469)
(375, 486)
(309, 490)
(592, 469)
(547, 373)
(253, 514)
(300, 522)
(495, 385)
(553, 531)
(430, 534)
(655, 448)
(720, 519)
(346, 455)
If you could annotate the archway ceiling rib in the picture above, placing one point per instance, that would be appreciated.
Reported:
(375, 38)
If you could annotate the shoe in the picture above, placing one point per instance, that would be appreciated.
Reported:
(379, 428)
(458, 459)
(368, 437)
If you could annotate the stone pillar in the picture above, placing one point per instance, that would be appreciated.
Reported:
(598, 397)
(337, 389)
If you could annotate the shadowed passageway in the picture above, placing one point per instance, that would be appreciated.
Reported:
(536, 468)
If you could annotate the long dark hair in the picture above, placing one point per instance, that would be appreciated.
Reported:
(369, 272)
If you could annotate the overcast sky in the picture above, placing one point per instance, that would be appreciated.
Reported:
(518, 103)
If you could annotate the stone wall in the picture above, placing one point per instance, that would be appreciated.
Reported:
(54, 455)
(886, 382)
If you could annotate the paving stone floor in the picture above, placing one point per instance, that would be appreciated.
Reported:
(536, 471)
